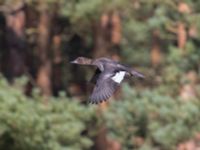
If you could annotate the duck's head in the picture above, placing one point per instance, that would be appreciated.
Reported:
(82, 61)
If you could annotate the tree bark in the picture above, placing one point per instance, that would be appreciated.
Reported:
(15, 56)
(57, 84)
(182, 35)
(116, 35)
(156, 55)
(44, 70)
(102, 36)
(57, 61)
(116, 29)
(183, 8)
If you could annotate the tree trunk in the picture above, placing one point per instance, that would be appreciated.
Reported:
(57, 69)
(116, 35)
(107, 35)
(182, 35)
(181, 29)
(116, 29)
(44, 70)
(15, 55)
(102, 36)
(101, 142)
(156, 55)
(57, 84)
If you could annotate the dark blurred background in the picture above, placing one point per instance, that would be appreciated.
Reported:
(43, 98)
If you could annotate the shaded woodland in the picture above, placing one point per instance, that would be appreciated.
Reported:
(43, 98)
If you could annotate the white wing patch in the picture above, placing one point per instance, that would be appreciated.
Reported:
(119, 76)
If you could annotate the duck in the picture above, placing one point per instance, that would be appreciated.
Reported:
(107, 78)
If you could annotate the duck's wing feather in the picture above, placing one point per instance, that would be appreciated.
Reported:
(136, 73)
(95, 76)
(132, 71)
(103, 91)
(105, 86)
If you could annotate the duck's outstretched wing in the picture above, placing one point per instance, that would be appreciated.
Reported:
(105, 86)
(103, 91)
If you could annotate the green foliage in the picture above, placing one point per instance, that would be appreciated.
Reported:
(184, 59)
(156, 115)
(29, 123)
(177, 64)
(160, 120)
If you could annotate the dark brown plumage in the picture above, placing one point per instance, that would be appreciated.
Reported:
(107, 78)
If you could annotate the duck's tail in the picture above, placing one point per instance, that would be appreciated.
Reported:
(136, 74)
(131, 71)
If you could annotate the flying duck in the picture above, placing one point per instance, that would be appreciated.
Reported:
(107, 78)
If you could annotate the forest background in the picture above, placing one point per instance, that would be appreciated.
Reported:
(43, 98)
